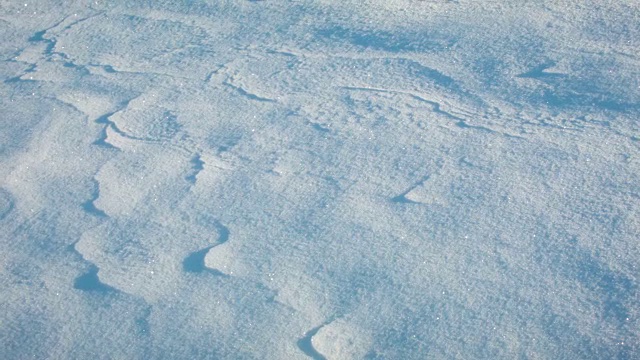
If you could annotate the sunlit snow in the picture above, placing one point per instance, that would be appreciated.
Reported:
(355, 179)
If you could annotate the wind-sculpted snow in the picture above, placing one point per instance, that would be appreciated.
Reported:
(195, 262)
(328, 180)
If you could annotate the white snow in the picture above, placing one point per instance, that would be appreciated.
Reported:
(320, 179)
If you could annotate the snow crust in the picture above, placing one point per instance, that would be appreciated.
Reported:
(320, 179)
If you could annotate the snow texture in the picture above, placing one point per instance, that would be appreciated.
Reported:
(355, 179)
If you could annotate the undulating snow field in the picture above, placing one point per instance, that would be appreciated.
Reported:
(354, 179)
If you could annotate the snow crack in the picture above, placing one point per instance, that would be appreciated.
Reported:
(305, 344)
(198, 166)
(89, 205)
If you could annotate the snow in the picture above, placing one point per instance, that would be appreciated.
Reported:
(318, 179)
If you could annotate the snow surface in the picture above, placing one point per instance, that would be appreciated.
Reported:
(303, 179)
